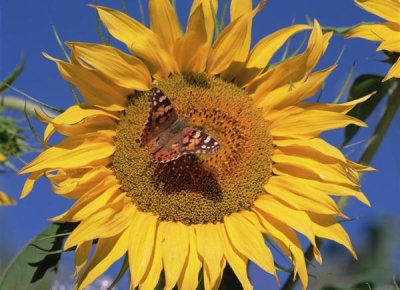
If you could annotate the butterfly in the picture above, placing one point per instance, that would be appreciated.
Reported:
(169, 137)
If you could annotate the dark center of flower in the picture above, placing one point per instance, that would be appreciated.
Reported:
(197, 188)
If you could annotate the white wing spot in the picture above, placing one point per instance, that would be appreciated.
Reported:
(207, 139)
(155, 103)
(162, 99)
(204, 146)
(158, 91)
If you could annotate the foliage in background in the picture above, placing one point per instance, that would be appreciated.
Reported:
(12, 140)
(377, 261)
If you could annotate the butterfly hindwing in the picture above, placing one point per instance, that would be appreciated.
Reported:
(196, 141)
(161, 116)
(187, 141)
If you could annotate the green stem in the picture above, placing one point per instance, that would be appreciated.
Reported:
(366, 158)
(142, 17)
(18, 104)
(383, 125)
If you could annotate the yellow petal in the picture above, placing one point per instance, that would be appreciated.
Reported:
(6, 199)
(246, 238)
(288, 241)
(292, 70)
(360, 167)
(299, 196)
(189, 278)
(210, 250)
(107, 222)
(290, 165)
(143, 235)
(152, 276)
(238, 9)
(75, 115)
(30, 182)
(392, 45)
(94, 87)
(297, 220)
(191, 50)
(263, 51)
(294, 93)
(333, 187)
(271, 209)
(236, 260)
(92, 200)
(90, 124)
(276, 115)
(123, 69)
(81, 255)
(107, 252)
(394, 71)
(73, 152)
(164, 22)
(42, 116)
(234, 35)
(376, 32)
(387, 9)
(219, 280)
(326, 226)
(311, 147)
(175, 251)
(311, 123)
(73, 187)
(338, 108)
(209, 8)
(2, 157)
(330, 188)
(142, 41)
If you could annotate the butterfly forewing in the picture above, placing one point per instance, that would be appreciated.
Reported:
(161, 116)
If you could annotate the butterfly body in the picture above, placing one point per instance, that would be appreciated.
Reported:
(169, 137)
(173, 132)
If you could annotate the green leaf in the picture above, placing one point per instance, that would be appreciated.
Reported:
(358, 286)
(364, 85)
(34, 268)
(161, 282)
(229, 280)
(13, 76)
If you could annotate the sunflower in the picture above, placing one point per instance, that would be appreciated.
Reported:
(388, 33)
(271, 177)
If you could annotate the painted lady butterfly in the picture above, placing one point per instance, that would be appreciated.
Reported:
(169, 137)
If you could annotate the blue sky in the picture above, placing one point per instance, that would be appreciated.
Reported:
(25, 27)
